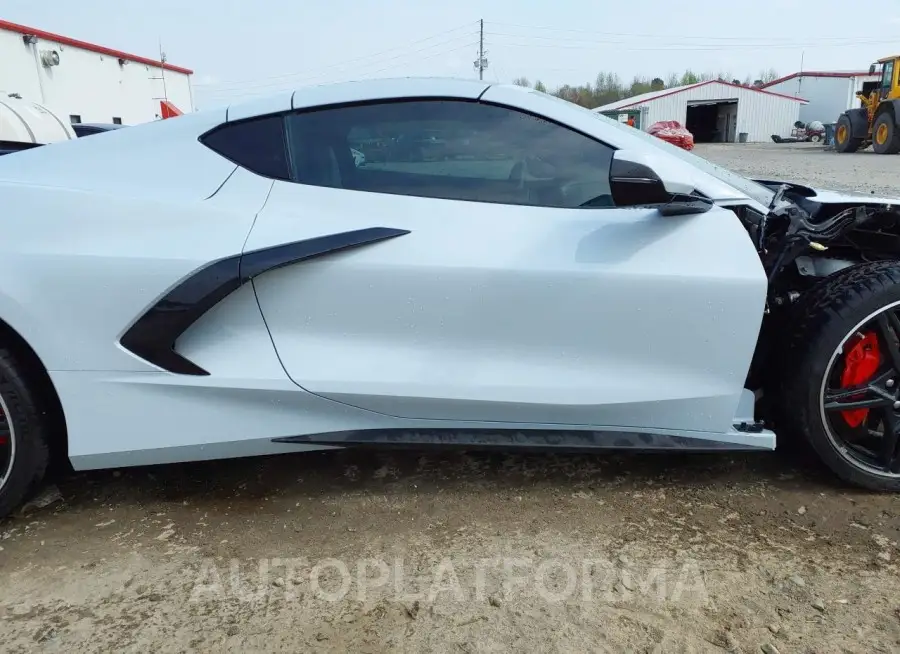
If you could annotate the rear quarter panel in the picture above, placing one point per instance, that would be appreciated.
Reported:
(80, 266)
(163, 160)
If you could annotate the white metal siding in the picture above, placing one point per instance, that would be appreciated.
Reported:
(828, 97)
(86, 83)
(759, 114)
(852, 100)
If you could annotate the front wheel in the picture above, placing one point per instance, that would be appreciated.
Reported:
(842, 382)
(843, 136)
(885, 135)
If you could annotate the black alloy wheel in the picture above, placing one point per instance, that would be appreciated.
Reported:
(861, 394)
(840, 385)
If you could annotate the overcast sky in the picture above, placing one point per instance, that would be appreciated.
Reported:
(240, 48)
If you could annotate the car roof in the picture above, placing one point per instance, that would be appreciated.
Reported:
(371, 89)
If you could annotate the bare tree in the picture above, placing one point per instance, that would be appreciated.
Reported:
(768, 75)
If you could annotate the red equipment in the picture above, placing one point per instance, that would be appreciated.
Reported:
(672, 132)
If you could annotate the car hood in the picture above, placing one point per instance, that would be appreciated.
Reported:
(826, 196)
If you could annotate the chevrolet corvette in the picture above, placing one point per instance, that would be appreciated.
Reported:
(432, 263)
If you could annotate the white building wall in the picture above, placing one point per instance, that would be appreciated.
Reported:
(759, 114)
(828, 97)
(852, 100)
(86, 83)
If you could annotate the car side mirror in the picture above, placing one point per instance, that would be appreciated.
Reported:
(872, 69)
(638, 179)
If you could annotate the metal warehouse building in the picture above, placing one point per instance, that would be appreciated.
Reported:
(88, 83)
(829, 93)
(717, 111)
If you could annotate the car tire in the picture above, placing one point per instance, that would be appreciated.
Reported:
(885, 135)
(25, 453)
(843, 140)
(827, 317)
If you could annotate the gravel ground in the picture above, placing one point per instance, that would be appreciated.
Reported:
(344, 551)
(808, 163)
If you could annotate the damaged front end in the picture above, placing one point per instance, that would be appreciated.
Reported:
(809, 234)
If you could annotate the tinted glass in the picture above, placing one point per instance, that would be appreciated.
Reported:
(256, 145)
(887, 75)
(449, 149)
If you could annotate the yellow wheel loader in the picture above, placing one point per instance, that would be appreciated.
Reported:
(877, 121)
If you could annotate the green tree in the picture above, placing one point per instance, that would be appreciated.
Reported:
(539, 86)
(521, 81)
(608, 87)
(689, 77)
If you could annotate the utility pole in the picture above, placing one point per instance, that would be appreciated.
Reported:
(481, 63)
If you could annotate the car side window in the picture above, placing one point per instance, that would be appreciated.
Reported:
(257, 145)
(449, 149)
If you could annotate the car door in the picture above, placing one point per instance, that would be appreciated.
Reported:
(485, 275)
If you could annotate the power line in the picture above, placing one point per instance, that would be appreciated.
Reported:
(251, 93)
(849, 39)
(345, 62)
(607, 41)
(294, 79)
(436, 54)
(624, 47)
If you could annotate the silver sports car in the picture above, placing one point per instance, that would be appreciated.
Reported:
(431, 263)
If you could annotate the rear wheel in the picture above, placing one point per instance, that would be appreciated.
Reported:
(885, 135)
(842, 388)
(23, 436)
(843, 141)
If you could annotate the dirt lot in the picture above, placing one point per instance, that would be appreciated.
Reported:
(468, 552)
(811, 164)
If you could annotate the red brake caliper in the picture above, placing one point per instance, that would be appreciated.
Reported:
(860, 364)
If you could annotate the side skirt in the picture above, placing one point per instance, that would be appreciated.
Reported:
(556, 440)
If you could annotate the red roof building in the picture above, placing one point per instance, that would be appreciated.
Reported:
(715, 111)
(86, 82)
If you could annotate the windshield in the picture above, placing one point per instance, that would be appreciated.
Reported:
(752, 189)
